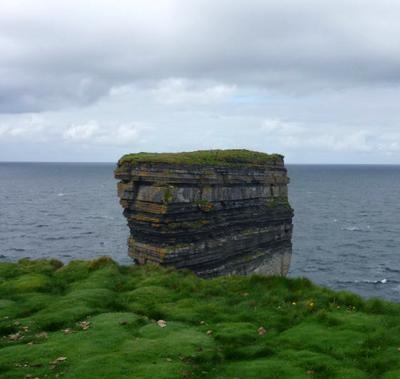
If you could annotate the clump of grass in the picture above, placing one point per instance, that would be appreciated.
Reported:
(95, 319)
(233, 157)
(280, 201)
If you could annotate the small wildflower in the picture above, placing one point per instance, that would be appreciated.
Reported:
(162, 323)
(84, 325)
(261, 331)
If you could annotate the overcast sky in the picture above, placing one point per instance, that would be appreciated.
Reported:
(317, 81)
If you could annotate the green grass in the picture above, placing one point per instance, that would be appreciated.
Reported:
(234, 157)
(280, 201)
(95, 319)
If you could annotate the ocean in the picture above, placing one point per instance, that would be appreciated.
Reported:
(346, 225)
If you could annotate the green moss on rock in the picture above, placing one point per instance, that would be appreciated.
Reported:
(278, 201)
(233, 157)
(205, 205)
(168, 195)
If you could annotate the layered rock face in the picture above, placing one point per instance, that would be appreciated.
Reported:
(216, 212)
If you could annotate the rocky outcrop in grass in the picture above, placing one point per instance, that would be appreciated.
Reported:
(98, 320)
(215, 212)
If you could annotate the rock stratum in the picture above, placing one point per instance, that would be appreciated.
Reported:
(215, 212)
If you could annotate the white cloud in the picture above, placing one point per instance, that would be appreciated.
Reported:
(182, 91)
(25, 126)
(92, 133)
(81, 132)
(127, 135)
(359, 141)
(177, 91)
(331, 138)
(281, 128)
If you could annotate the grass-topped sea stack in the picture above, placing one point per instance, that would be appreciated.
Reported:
(216, 212)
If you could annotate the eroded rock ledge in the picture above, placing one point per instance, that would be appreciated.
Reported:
(216, 212)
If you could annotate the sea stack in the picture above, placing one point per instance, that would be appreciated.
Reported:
(215, 212)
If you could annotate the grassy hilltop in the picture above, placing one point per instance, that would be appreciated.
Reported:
(214, 158)
(99, 320)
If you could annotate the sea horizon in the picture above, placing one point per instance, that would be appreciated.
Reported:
(345, 225)
(286, 163)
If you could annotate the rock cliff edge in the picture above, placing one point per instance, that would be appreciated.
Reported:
(216, 212)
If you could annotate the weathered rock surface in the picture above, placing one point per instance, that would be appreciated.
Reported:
(215, 212)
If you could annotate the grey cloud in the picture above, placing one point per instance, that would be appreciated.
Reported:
(346, 126)
(69, 53)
